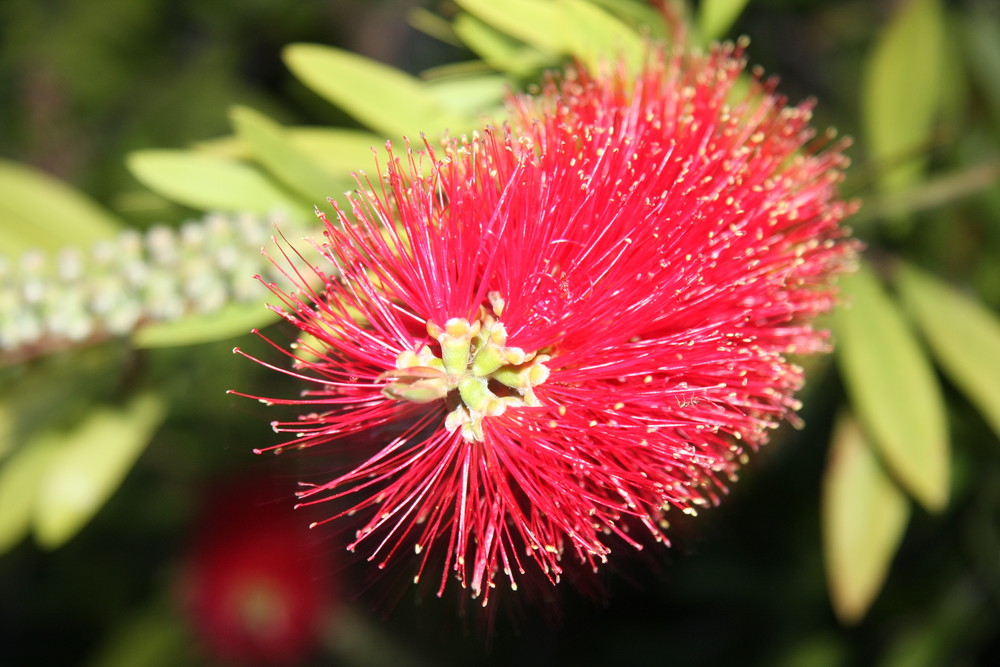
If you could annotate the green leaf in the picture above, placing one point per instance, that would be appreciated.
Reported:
(208, 182)
(893, 389)
(470, 95)
(153, 637)
(535, 22)
(272, 147)
(864, 517)
(642, 16)
(598, 38)
(235, 319)
(339, 151)
(717, 17)
(39, 211)
(20, 476)
(902, 91)
(496, 48)
(89, 464)
(980, 38)
(962, 333)
(383, 98)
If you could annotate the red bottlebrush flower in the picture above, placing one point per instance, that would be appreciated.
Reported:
(549, 333)
(255, 592)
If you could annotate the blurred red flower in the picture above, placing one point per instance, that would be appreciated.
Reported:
(551, 332)
(255, 591)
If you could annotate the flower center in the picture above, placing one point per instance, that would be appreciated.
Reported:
(477, 373)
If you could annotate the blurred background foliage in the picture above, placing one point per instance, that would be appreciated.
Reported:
(148, 149)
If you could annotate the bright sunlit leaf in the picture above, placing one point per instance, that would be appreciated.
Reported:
(89, 463)
(645, 16)
(470, 95)
(893, 389)
(381, 97)
(340, 151)
(963, 334)
(232, 320)
(273, 147)
(534, 22)
(496, 48)
(598, 38)
(209, 182)
(39, 211)
(864, 516)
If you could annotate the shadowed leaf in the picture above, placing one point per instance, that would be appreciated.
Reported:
(864, 517)
(963, 334)
(893, 389)
(39, 211)
(716, 17)
(89, 463)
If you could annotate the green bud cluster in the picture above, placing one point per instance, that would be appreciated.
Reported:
(53, 300)
(475, 372)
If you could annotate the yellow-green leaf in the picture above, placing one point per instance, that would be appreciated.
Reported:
(644, 16)
(472, 95)
(20, 475)
(340, 151)
(963, 334)
(496, 48)
(901, 91)
(864, 516)
(39, 211)
(535, 22)
(89, 463)
(209, 182)
(598, 38)
(272, 147)
(383, 98)
(716, 17)
(233, 320)
(893, 389)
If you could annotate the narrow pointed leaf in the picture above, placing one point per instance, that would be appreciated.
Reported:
(597, 38)
(340, 151)
(496, 48)
(645, 17)
(232, 320)
(963, 334)
(864, 516)
(472, 95)
(209, 182)
(90, 463)
(383, 98)
(716, 17)
(534, 22)
(901, 90)
(893, 389)
(337, 150)
(39, 211)
(273, 148)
